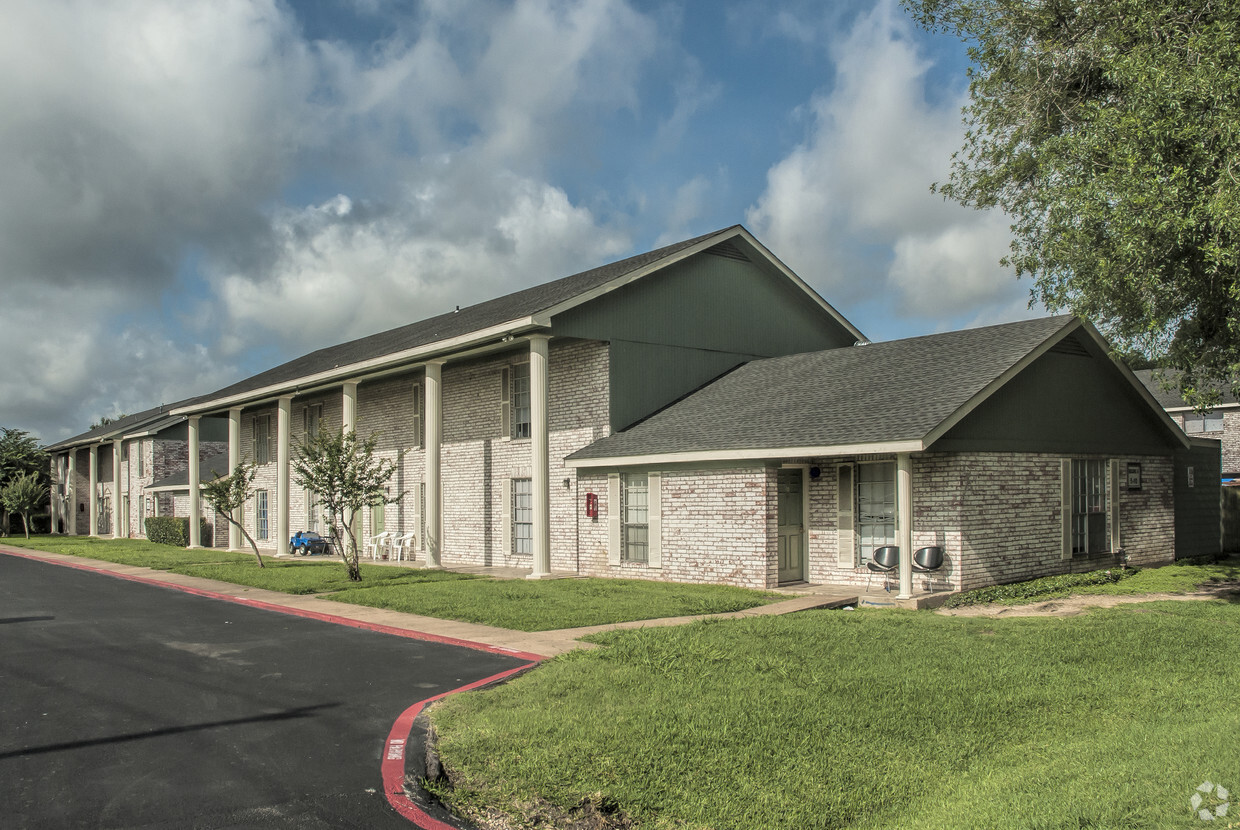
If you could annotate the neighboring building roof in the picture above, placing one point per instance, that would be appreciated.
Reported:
(209, 468)
(521, 306)
(139, 421)
(1170, 398)
(882, 397)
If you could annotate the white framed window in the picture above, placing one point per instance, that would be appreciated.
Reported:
(1090, 500)
(137, 445)
(522, 516)
(1195, 423)
(312, 416)
(260, 514)
(634, 517)
(875, 512)
(521, 400)
(262, 439)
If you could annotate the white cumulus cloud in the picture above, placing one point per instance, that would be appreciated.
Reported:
(850, 206)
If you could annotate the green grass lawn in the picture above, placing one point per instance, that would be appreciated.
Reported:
(871, 719)
(518, 604)
(1179, 578)
(545, 605)
(315, 577)
(126, 551)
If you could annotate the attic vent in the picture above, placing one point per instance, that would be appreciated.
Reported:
(1070, 345)
(728, 251)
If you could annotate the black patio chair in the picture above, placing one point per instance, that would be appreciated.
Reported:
(884, 560)
(926, 561)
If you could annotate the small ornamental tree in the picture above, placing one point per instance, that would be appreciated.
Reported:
(24, 495)
(341, 469)
(229, 493)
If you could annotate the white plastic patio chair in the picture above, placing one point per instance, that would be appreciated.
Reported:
(403, 547)
(379, 543)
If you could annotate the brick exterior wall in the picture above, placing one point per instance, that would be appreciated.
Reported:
(1228, 436)
(718, 526)
(265, 475)
(161, 458)
(216, 533)
(1231, 440)
(475, 458)
(998, 517)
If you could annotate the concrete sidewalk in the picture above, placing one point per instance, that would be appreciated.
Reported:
(543, 643)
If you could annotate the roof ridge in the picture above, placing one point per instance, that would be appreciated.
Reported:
(515, 305)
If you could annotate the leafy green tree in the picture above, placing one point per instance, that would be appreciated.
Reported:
(230, 493)
(20, 454)
(24, 495)
(104, 420)
(341, 469)
(1109, 131)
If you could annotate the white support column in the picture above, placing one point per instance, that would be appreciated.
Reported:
(904, 522)
(348, 423)
(195, 501)
(234, 458)
(71, 488)
(93, 496)
(118, 532)
(55, 503)
(434, 484)
(284, 424)
(540, 478)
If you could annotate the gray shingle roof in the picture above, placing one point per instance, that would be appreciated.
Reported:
(453, 324)
(120, 426)
(879, 393)
(1170, 399)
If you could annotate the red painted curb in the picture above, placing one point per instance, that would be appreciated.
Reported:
(393, 766)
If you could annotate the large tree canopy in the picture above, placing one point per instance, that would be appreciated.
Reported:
(20, 455)
(1109, 130)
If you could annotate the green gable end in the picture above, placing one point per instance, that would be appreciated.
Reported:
(1073, 399)
(674, 330)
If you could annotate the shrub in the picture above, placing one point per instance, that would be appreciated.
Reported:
(172, 530)
(168, 530)
(1038, 587)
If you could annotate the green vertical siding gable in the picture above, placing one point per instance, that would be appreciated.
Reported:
(678, 328)
(1069, 400)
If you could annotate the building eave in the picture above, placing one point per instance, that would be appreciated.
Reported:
(408, 358)
(747, 455)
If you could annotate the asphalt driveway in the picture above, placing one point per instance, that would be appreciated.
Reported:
(129, 705)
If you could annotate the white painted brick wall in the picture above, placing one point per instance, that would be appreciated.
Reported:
(997, 516)
(718, 527)
(475, 457)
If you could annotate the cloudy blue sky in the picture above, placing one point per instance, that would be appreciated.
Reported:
(191, 192)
